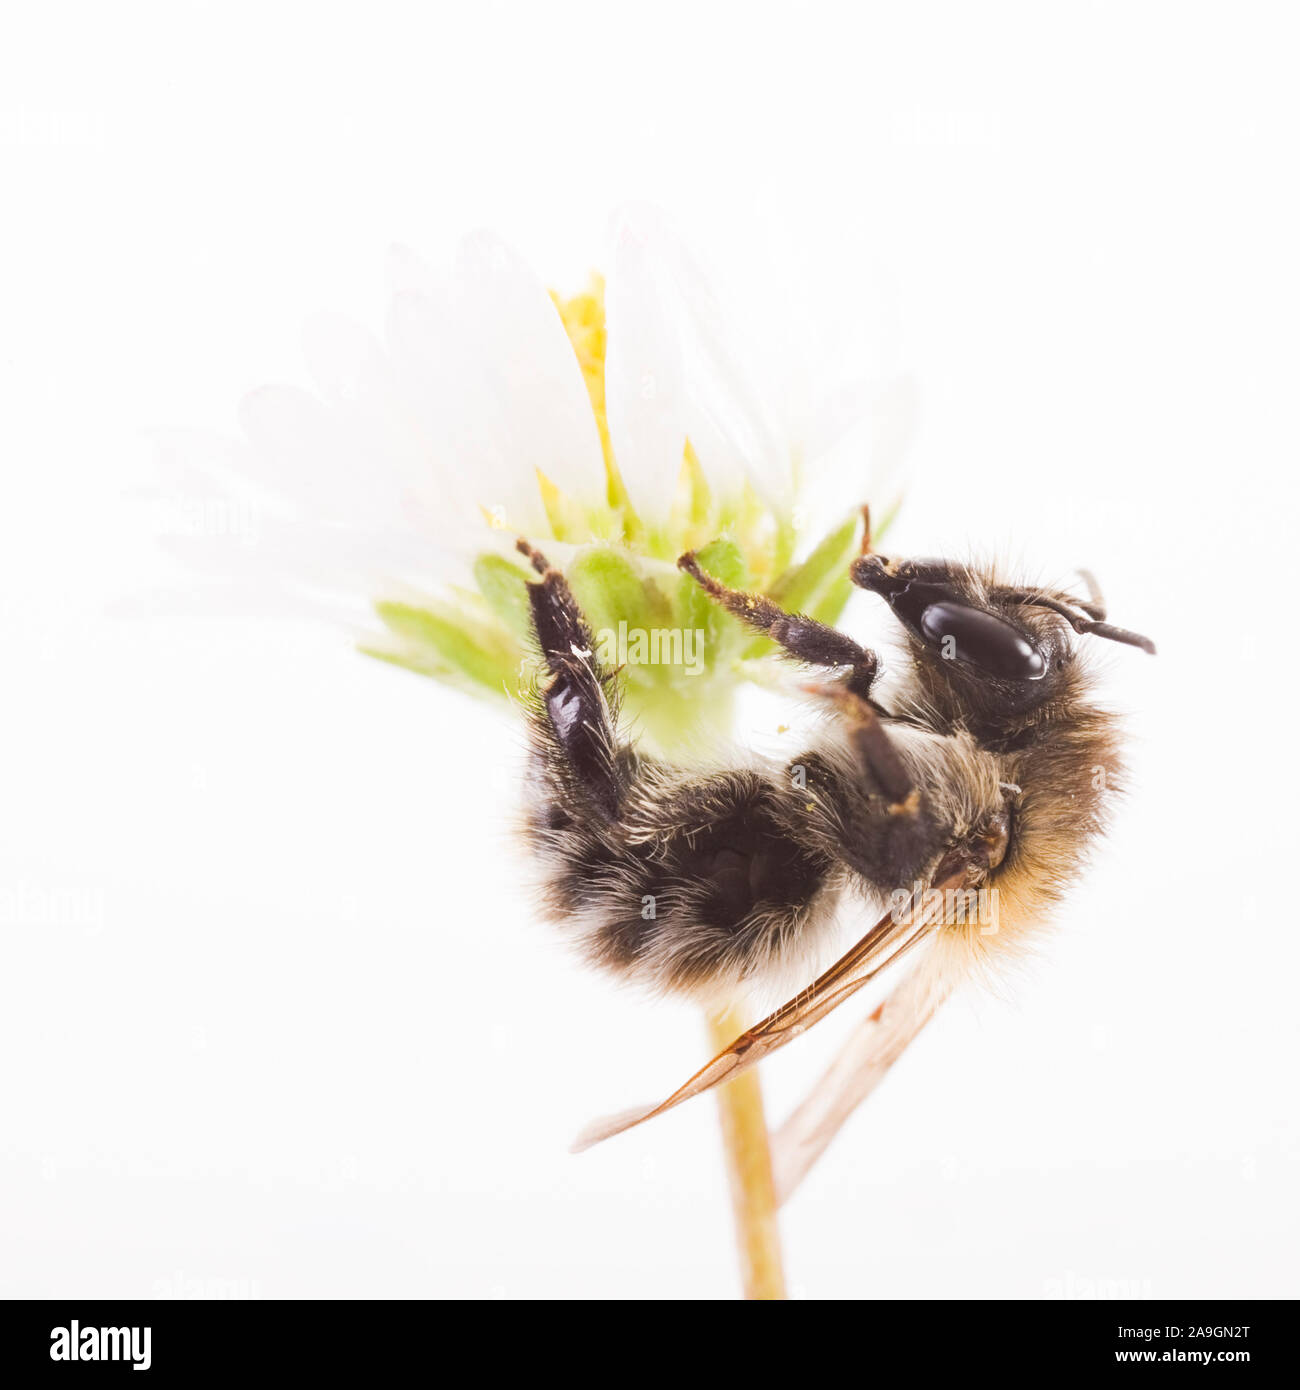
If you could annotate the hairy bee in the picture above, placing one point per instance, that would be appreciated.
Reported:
(991, 767)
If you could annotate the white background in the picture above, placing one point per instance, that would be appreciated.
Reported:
(274, 1016)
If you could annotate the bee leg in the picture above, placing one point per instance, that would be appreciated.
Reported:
(803, 638)
(562, 631)
(874, 748)
(575, 719)
(875, 815)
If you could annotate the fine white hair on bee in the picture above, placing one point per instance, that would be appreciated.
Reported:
(964, 800)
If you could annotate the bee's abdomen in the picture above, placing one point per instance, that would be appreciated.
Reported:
(711, 892)
(746, 863)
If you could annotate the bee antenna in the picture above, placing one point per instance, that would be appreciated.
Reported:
(1090, 623)
(1117, 634)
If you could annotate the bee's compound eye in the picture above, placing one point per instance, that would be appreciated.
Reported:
(972, 635)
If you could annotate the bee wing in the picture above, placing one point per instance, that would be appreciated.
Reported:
(873, 1047)
(888, 941)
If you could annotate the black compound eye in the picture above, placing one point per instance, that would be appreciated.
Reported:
(971, 635)
(925, 602)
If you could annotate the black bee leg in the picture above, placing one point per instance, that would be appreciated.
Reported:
(575, 719)
(876, 817)
(562, 631)
(534, 557)
(875, 749)
(802, 638)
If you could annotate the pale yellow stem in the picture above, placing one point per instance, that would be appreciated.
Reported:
(749, 1171)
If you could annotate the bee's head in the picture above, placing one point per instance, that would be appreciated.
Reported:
(999, 652)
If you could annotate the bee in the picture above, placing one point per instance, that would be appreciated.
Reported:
(991, 767)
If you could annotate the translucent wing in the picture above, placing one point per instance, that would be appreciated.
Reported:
(888, 941)
(873, 1047)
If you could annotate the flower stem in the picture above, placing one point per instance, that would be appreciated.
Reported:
(749, 1171)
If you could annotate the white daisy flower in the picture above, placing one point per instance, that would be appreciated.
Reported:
(615, 428)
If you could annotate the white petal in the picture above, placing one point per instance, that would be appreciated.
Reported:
(192, 462)
(363, 558)
(733, 433)
(205, 514)
(378, 414)
(840, 412)
(530, 367)
(341, 355)
(332, 462)
(235, 541)
(471, 446)
(406, 269)
(884, 408)
(864, 437)
(645, 394)
(895, 417)
(235, 599)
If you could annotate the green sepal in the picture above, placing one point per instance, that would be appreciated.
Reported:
(797, 589)
(480, 651)
(505, 590)
(423, 663)
(610, 590)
